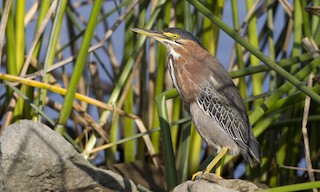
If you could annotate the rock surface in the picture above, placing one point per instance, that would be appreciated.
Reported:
(35, 158)
(210, 182)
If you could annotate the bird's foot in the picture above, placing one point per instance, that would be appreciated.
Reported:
(199, 174)
(196, 175)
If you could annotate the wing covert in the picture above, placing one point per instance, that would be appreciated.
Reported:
(215, 104)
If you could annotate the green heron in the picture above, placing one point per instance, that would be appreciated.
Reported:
(209, 95)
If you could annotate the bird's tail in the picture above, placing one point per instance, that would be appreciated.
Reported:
(253, 153)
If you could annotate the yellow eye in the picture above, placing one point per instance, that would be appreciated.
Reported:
(175, 36)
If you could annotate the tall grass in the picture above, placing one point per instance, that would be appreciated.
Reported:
(79, 68)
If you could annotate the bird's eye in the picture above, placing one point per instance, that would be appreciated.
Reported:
(175, 36)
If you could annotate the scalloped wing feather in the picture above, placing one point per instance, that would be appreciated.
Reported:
(216, 105)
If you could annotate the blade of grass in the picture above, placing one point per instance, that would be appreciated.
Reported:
(79, 65)
(127, 68)
(254, 61)
(62, 91)
(272, 54)
(195, 148)
(294, 187)
(127, 94)
(211, 32)
(239, 54)
(269, 102)
(11, 66)
(19, 53)
(166, 139)
(305, 133)
(129, 147)
(35, 47)
(20, 34)
(263, 68)
(297, 27)
(184, 153)
(50, 52)
(4, 20)
(35, 107)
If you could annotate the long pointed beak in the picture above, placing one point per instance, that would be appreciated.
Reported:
(159, 36)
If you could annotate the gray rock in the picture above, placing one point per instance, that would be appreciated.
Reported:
(35, 158)
(210, 182)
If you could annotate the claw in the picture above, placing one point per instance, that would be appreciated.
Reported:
(212, 164)
(195, 175)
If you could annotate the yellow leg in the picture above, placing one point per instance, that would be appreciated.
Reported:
(210, 166)
(219, 168)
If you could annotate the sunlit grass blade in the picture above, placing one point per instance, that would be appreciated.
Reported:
(79, 65)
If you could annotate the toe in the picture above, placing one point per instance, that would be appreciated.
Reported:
(196, 175)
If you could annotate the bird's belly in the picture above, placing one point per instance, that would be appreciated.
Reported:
(211, 132)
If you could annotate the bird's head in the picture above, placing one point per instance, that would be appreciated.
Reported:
(172, 38)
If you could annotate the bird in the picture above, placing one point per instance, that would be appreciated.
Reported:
(209, 95)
